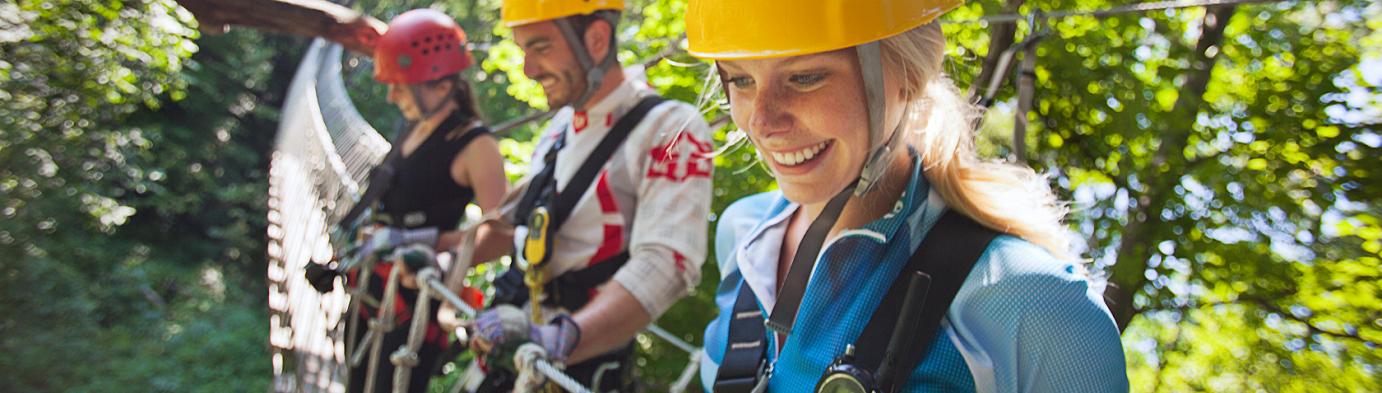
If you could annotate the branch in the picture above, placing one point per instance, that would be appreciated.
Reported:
(1269, 307)
(309, 18)
(1133, 250)
(1001, 37)
(1314, 329)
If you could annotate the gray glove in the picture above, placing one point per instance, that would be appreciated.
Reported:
(386, 239)
(507, 327)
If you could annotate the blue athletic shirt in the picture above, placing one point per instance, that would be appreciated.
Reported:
(1023, 321)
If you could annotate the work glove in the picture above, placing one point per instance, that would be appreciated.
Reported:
(415, 256)
(385, 240)
(504, 328)
(321, 277)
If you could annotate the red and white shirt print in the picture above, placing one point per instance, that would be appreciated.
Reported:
(652, 199)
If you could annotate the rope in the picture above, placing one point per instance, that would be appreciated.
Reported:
(688, 373)
(406, 357)
(665, 335)
(381, 325)
(532, 358)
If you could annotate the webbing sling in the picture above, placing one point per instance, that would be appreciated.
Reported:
(947, 254)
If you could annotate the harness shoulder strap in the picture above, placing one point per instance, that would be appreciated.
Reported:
(566, 198)
(743, 361)
(950, 250)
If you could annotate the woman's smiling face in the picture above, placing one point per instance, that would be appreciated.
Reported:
(807, 116)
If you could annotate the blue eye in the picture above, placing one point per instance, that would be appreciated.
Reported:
(806, 80)
(739, 82)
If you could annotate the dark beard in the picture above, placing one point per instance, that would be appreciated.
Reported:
(574, 88)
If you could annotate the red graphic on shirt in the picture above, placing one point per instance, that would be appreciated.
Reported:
(613, 222)
(682, 158)
(680, 261)
(579, 121)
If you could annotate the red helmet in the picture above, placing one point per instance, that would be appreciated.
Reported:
(419, 46)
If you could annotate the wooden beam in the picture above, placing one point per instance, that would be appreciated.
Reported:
(308, 18)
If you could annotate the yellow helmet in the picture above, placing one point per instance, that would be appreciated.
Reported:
(736, 29)
(522, 12)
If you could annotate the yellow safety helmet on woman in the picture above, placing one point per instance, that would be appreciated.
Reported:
(729, 29)
(738, 30)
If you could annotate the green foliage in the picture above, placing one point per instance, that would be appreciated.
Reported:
(132, 175)
(1240, 226)
(1235, 223)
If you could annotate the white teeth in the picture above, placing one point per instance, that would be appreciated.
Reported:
(800, 156)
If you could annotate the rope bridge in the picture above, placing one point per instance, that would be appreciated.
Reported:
(321, 160)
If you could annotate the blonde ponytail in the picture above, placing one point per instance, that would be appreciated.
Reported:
(1009, 198)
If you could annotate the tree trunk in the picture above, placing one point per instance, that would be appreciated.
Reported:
(1026, 90)
(1000, 38)
(1138, 240)
(311, 18)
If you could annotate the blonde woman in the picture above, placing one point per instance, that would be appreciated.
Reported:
(858, 265)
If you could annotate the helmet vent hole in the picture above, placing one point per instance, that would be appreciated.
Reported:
(424, 51)
(427, 40)
(414, 44)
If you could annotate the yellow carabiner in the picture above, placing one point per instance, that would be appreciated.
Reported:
(535, 246)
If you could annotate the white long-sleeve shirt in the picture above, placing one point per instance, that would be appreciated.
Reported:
(652, 198)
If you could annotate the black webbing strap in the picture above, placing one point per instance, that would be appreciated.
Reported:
(570, 291)
(946, 255)
(784, 313)
(509, 287)
(381, 177)
(585, 176)
(563, 202)
(743, 361)
(950, 250)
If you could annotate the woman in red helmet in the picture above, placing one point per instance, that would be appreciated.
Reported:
(446, 159)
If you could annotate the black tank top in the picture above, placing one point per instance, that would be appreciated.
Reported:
(423, 194)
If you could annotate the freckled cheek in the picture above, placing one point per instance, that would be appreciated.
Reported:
(840, 117)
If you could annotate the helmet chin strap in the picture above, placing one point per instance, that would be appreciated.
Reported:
(429, 110)
(594, 73)
(880, 155)
(880, 146)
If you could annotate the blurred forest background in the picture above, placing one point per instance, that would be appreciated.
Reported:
(1222, 165)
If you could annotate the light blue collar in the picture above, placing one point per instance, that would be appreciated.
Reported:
(757, 255)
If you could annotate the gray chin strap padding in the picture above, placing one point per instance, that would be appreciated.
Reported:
(871, 69)
(594, 73)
